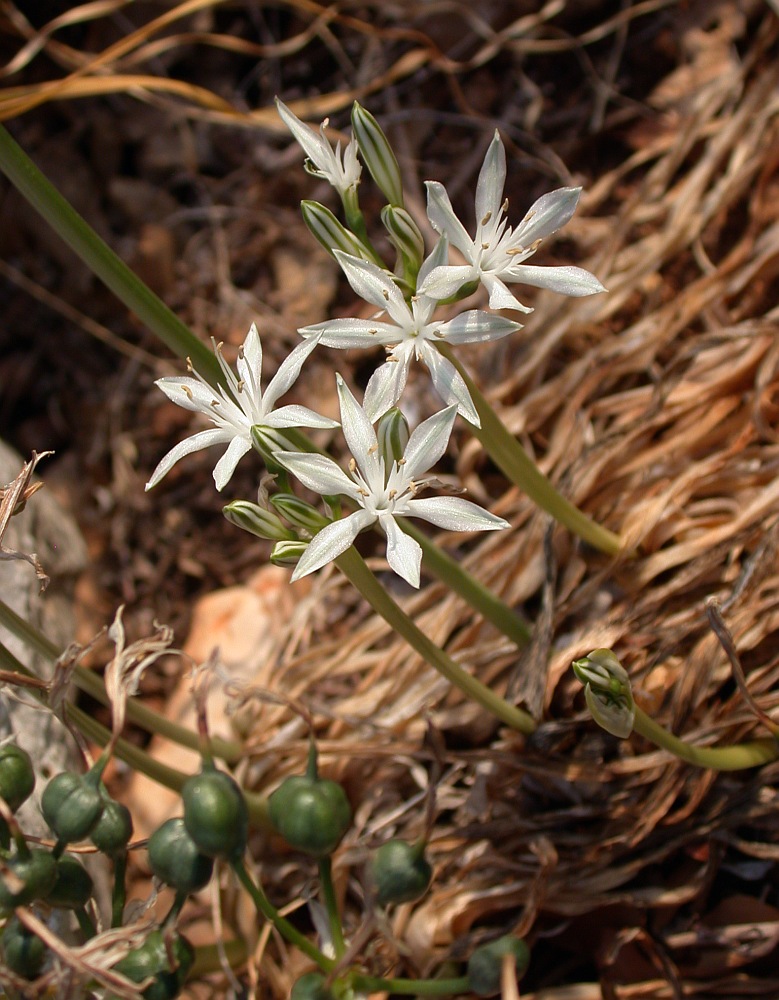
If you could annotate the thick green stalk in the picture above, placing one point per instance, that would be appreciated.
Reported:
(732, 758)
(354, 568)
(89, 682)
(102, 260)
(509, 455)
(437, 561)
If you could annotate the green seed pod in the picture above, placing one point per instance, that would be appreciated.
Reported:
(23, 952)
(311, 986)
(17, 778)
(486, 963)
(400, 872)
(112, 832)
(73, 886)
(175, 859)
(215, 813)
(311, 814)
(151, 959)
(29, 878)
(72, 804)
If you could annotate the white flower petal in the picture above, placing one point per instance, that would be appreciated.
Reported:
(249, 362)
(443, 219)
(445, 281)
(371, 283)
(286, 376)
(297, 416)
(492, 179)
(317, 472)
(428, 442)
(358, 430)
(438, 258)
(454, 514)
(203, 439)
(188, 393)
(331, 542)
(404, 554)
(500, 296)
(225, 467)
(386, 385)
(477, 327)
(449, 385)
(352, 332)
(567, 280)
(546, 215)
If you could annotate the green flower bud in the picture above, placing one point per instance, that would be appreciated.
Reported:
(392, 434)
(23, 952)
(486, 964)
(400, 872)
(151, 959)
(312, 814)
(73, 886)
(287, 553)
(17, 777)
(112, 832)
(298, 512)
(607, 691)
(407, 239)
(328, 231)
(72, 804)
(175, 859)
(377, 154)
(215, 813)
(311, 986)
(26, 878)
(257, 521)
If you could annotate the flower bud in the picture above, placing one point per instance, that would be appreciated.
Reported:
(392, 434)
(607, 691)
(377, 154)
(266, 440)
(332, 234)
(405, 236)
(71, 804)
(485, 965)
(257, 521)
(175, 859)
(287, 553)
(400, 872)
(215, 813)
(298, 512)
(23, 951)
(17, 777)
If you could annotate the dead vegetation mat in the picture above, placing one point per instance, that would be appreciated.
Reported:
(654, 408)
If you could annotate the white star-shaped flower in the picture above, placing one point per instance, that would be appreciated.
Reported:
(238, 408)
(382, 490)
(497, 253)
(413, 333)
(324, 161)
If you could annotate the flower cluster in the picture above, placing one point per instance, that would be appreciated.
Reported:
(384, 478)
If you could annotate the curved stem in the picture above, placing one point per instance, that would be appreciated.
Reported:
(437, 561)
(354, 568)
(285, 928)
(731, 758)
(509, 455)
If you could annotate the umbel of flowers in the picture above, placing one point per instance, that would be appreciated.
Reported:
(411, 322)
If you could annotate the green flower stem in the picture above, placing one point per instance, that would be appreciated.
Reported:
(89, 682)
(355, 570)
(85, 924)
(285, 928)
(102, 260)
(507, 453)
(732, 758)
(119, 890)
(413, 987)
(331, 905)
(446, 569)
